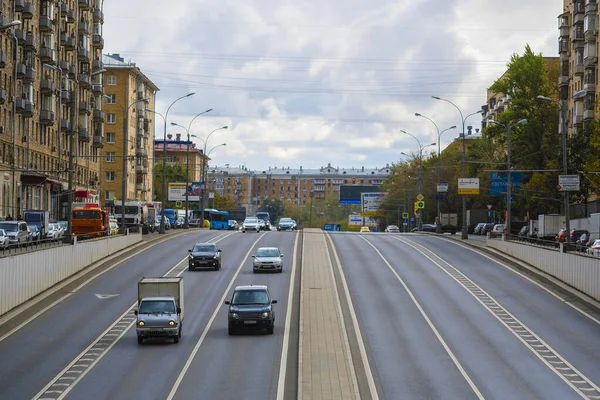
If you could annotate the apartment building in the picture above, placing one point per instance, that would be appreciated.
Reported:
(177, 154)
(50, 89)
(250, 188)
(129, 101)
(578, 51)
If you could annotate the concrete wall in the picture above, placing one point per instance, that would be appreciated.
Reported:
(579, 271)
(24, 276)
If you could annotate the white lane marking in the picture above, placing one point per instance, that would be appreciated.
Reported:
(562, 299)
(430, 323)
(180, 267)
(286, 331)
(105, 296)
(68, 281)
(359, 338)
(468, 284)
(210, 322)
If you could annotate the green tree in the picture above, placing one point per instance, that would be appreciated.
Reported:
(173, 173)
(274, 207)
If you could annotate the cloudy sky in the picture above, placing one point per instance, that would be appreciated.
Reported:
(311, 82)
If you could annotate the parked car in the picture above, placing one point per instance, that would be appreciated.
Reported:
(35, 235)
(204, 255)
(179, 222)
(498, 228)
(487, 228)
(251, 306)
(576, 234)
(233, 225)
(286, 224)
(267, 259)
(594, 248)
(17, 232)
(251, 224)
(478, 228)
(4, 240)
(392, 229)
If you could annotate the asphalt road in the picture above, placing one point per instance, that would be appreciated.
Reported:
(438, 320)
(442, 321)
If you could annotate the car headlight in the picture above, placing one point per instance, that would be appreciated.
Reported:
(234, 315)
(266, 315)
(172, 323)
(216, 257)
(141, 323)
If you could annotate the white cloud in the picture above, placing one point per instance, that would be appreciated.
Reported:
(312, 82)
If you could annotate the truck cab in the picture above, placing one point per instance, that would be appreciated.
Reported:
(160, 308)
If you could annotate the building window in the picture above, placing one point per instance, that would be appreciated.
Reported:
(111, 119)
(36, 198)
(111, 98)
(110, 195)
(111, 80)
(110, 137)
(110, 176)
(110, 156)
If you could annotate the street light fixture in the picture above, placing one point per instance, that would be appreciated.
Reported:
(508, 128)
(164, 178)
(10, 25)
(438, 225)
(125, 108)
(186, 225)
(465, 229)
(563, 128)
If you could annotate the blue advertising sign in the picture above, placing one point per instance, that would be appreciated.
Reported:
(332, 227)
(498, 183)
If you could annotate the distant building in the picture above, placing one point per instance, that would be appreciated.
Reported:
(177, 154)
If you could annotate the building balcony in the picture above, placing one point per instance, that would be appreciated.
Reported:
(65, 125)
(98, 89)
(98, 141)
(591, 7)
(98, 41)
(98, 15)
(65, 96)
(590, 35)
(589, 87)
(21, 36)
(84, 4)
(579, 44)
(588, 115)
(83, 54)
(564, 31)
(64, 65)
(578, 70)
(577, 33)
(98, 115)
(96, 65)
(83, 28)
(28, 110)
(2, 59)
(30, 42)
(71, 15)
(590, 62)
(63, 9)
(47, 86)
(141, 186)
(71, 43)
(46, 118)
(84, 134)
(19, 5)
(62, 37)
(141, 169)
(141, 151)
(563, 80)
(48, 55)
(20, 105)
(28, 10)
(578, 18)
(46, 24)
(2, 95)
(85, 107)
(72, 71)
(29, 75)
(84, 80)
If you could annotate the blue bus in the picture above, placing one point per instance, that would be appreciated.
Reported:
(219, 219)
(171, 215)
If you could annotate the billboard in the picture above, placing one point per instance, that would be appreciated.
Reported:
(355, 219)
(498, 183)
(468, 185)
(350, 194)
(370, 203)
(176, 191)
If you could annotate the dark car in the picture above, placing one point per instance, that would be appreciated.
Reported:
(286, 224)
(233, 225)
(251, 306)
(576, 234)
(487, 228)
(428, 228)
(205, 255)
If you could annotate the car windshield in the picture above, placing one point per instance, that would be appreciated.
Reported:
(241, 297)
(8, 227)
(285, 220)
(251, 220)
(63, 224)
(157, 306)
(2, 233)
(267, 253)
(203, 248)
(392, 227)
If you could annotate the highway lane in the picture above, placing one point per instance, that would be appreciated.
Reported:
(409, 361)
(572, 334)
(224, 367)
(47, 344)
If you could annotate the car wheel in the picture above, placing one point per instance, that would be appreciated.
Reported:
(271, 328)
(230, 330)
(180, 329)
(217, 267)
(243, 231)
(140, 340)
(254, 270)
(190, 267)
(281, 270)
(176, 339)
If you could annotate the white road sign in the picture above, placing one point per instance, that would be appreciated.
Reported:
(371, 202)
(568, 183)
(355, 219)
(442, 187)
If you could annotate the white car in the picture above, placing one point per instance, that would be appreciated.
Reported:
(251, 224)
(268, 259)
(392, 229)
(4, 241)
(498, 228)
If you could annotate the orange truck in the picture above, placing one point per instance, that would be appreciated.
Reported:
(90, 221)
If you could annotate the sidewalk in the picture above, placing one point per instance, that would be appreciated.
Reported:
(325, 370)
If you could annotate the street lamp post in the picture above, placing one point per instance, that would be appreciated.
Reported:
(14, 124)
(125, 109)
(438, 225)
(508, 128)
(563, 128)
(465, 228)
(203, 172)
(186, 224)
(419, 175)
(164, 178)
